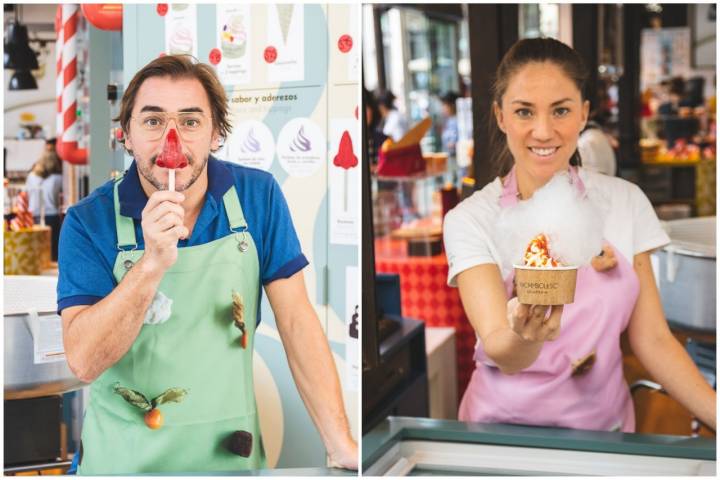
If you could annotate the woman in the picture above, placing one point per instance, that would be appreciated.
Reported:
(44, 184)
(393, 123)
(561, 366)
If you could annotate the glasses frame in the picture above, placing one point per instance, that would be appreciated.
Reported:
(171, 116)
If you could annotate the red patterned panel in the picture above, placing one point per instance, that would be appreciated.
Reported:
(426, 296)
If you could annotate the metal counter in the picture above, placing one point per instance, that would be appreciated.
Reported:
(402, 446)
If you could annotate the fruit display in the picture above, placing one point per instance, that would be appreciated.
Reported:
(653, 151)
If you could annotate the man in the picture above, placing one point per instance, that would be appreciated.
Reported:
(159, 293)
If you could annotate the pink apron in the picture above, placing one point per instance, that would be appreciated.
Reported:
(553, 391)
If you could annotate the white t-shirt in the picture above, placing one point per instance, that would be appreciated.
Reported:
(596, 152)
(630, 224)
(45, 190)
(395, 125)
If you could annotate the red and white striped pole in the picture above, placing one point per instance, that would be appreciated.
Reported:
(68, 128)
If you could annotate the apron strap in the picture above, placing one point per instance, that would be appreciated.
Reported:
(124, 226)
(509, 195)
(234, 210)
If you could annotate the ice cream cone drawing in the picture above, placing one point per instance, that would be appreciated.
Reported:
(250, 143)
(346, 160)
(285, 13)
(300, 143)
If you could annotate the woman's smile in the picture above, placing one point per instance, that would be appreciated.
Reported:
(544, 153)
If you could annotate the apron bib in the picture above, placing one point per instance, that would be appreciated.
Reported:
(577, 380)
(196, 348)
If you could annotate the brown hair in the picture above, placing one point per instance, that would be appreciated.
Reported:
(530, 50)
(48, 164)
(179, 67)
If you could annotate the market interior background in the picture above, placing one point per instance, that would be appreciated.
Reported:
(652, 90)
(310, 85)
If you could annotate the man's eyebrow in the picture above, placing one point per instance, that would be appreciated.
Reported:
(154, 108)
(151, 108)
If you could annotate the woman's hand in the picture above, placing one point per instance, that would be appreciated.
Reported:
(534, 323)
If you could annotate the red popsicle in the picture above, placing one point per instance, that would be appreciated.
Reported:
(345, 157)
(346, 160)
(172, 157)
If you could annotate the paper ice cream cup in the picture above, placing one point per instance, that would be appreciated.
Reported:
(232, 50)
(545, 286)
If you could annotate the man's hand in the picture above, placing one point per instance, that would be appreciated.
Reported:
(532, 323)
(162, 225)
(313, 366)
(345, 457)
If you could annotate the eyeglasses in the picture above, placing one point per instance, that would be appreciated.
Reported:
(152, 125)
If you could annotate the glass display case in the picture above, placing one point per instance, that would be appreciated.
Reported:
(408, 210)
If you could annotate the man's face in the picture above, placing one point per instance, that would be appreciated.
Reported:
(171, 96)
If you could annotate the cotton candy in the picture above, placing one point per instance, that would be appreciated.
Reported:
(571, 221)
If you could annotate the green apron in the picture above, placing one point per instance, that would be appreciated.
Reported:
(197, 349)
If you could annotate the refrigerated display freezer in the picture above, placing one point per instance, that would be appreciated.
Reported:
(402, 446)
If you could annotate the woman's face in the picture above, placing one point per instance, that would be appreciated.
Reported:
(542, 115)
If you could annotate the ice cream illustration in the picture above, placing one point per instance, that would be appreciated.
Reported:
(234, 37)
(250, 144)
(181, 41)
(285, 13)
(346, 160)
(300, 143)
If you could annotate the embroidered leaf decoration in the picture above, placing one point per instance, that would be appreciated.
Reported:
(238, 310)
(175, 395)
(133, 397)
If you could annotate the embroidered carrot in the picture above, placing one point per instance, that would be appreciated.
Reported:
(238, 311)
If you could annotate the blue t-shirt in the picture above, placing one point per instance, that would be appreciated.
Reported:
(88, 238)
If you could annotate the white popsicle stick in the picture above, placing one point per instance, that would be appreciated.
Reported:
(171, 180)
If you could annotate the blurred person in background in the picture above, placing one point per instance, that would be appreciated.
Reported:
(392, 124)
(596, 148)
(449, 135)
(44, 186)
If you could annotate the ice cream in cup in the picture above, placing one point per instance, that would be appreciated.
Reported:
(542, 279)
(234, 37)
